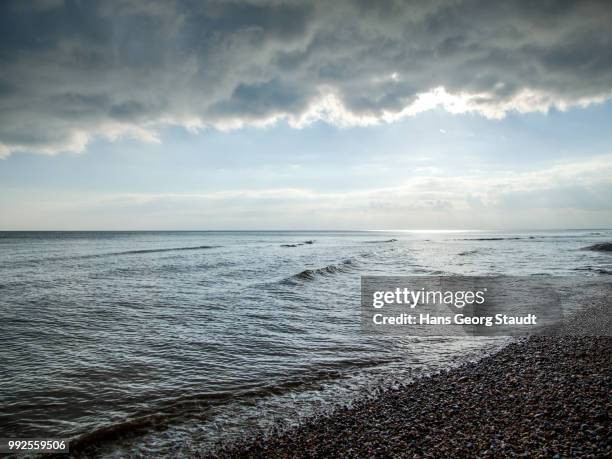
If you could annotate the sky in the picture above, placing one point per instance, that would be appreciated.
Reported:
(275, 114)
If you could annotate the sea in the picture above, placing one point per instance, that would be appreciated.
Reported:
(170, 343)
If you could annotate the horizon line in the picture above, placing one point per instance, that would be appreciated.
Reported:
(432, 230)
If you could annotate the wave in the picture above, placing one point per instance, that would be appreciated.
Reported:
(601, 247)
(571, 236)
(467, 252)
(126, 252)
(380, 242)
(493, 239)
(516, 238)
(297, 244)
(198, 406)
(594, 270)
(173, 249)
(312, 274)
(430, 272)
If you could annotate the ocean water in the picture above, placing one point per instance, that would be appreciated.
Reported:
(162, 343)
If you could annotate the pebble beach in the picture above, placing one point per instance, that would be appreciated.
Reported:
(546, 396)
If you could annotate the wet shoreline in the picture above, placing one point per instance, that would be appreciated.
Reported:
(537, 397)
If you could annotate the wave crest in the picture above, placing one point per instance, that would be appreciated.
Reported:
(312, 274)
(601, 247)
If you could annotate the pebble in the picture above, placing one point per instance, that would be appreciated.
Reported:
(525, 406)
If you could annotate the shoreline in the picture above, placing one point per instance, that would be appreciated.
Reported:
(543, 396)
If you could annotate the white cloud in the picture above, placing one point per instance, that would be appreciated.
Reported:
(572, 194)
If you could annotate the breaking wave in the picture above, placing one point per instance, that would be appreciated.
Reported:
(312, 274)
(601, 247)
(198, 406)
(297, 244)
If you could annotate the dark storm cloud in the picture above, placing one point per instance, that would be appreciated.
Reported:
(70, 70)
